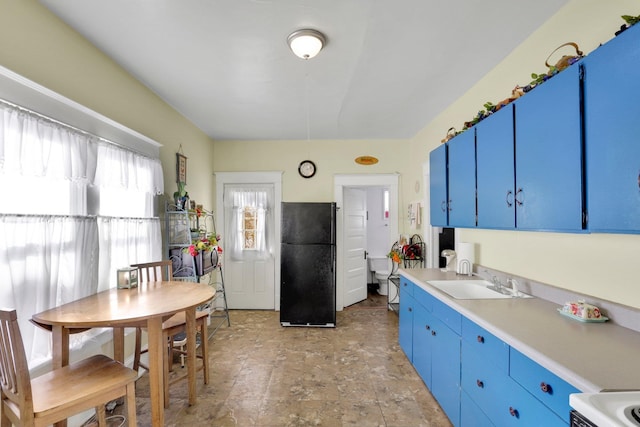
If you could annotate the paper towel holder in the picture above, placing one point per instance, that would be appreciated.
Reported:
(461, 267)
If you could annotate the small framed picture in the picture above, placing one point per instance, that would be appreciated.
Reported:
(181, 169)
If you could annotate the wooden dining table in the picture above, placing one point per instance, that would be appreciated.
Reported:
(147, 305)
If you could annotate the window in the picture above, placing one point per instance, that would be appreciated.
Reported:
(250, 227)
(78, 207)
(247, 208)
(385, 202)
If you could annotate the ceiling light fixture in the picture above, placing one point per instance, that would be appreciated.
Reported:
(306, 43)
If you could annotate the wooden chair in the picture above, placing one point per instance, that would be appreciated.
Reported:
(163, 270)
(59, 394)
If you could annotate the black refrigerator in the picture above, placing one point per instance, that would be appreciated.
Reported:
(308, 265)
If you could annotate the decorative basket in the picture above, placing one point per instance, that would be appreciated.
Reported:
(450, 134)
(565, 60)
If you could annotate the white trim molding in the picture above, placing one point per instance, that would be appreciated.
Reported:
(29, 94)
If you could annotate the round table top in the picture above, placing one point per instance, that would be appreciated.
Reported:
(127, 306)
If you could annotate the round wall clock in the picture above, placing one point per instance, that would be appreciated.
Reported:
(307, 169)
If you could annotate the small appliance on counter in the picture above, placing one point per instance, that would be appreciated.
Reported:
(450, 256)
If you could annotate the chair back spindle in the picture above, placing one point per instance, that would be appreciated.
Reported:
(154, 271)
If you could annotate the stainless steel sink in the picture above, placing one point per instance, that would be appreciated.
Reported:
(474, 289)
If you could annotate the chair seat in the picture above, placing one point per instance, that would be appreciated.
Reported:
(77, 382)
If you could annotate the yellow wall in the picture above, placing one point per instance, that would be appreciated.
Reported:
(331, 157)
(601, 265)
(37, 45)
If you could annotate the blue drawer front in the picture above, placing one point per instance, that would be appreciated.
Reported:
(482, 344)
(448, 316)
(424, 298)
(471, 415)
(406, 285)
(548, 388)
(504, 401)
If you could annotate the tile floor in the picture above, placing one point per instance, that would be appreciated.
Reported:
(265, 375)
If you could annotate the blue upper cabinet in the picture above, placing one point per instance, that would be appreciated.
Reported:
(439, 202)
(612, 136)
(495, 170)
(462, 180)
(549, 193)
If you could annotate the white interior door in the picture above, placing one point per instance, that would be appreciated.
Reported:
(355, 238)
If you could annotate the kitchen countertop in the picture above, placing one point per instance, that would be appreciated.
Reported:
(592, 357)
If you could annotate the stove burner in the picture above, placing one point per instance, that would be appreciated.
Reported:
(634, 413)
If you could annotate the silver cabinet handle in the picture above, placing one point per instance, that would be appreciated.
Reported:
(509, 198)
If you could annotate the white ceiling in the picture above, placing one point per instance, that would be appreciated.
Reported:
(389, 67)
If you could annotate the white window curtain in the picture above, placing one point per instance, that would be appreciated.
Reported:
(76, 208)
(46, 261)
(125, 241)
(237, 198)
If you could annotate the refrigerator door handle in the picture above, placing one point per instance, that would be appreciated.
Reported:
(365, 254)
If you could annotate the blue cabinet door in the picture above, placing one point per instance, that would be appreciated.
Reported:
(445, 369)
(422, 343)
(439, 202)
(549, 155)
(611, 134)
(495, 169)
(462, 180)
(405, 329)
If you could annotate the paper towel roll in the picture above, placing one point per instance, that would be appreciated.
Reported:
(465, 257)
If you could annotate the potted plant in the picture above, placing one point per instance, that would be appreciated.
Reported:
(180, 196)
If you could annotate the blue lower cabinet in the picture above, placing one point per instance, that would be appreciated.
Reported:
(546, 387)
(422, 343)
(470, 413)
(445, 369)
(503, 400)
(405, 331)
(478, 379)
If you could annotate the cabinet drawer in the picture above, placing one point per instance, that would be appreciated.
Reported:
(471, 415)
(484, 345)
(504, 401)
(448, 316)
(406, 285)
(424, 298)
(482, 381)
(548, 388)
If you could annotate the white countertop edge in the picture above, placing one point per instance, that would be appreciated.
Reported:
(563, 372)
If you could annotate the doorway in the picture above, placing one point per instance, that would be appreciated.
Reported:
(251, 264)
(343, 185)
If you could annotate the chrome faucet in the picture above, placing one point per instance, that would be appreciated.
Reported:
(465, 263)
(514, 286)
(497, 285)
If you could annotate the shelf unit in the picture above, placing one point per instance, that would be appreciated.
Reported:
(179, 224)
(413, 256)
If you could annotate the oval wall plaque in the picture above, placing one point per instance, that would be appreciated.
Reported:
(366, 160)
